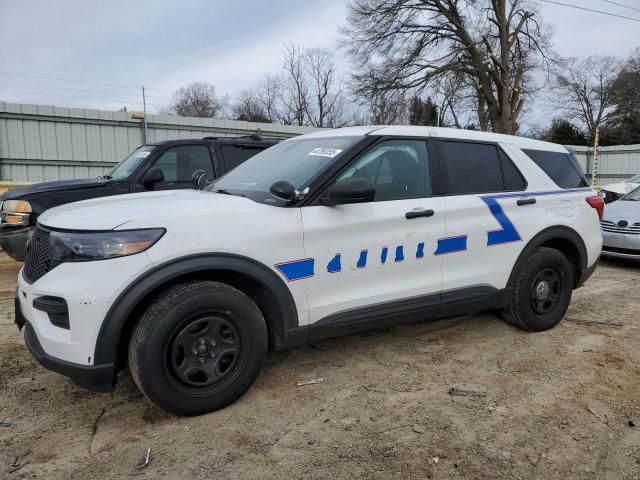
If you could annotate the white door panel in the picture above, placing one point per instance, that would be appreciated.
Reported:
(496, 230)
(370, 253)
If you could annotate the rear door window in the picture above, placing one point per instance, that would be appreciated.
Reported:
(561, 168)
(477, 168)
(234, 155)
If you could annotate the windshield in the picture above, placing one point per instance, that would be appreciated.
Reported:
(633, 195)
(298, 161)
(127, 166)
(634, 179)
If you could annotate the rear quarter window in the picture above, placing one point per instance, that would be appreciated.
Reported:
(560, 167)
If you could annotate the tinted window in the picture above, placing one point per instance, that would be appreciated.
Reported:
(471, 167)
(179, 163)
(235, 155)
(561, 167)
(513, 179)
(397, 168)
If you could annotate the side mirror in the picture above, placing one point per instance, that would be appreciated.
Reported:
(199, 179)
(352, 190)
(153, 175)
(283, 190)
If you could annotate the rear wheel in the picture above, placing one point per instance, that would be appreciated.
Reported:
(198, 348)
(542, 291)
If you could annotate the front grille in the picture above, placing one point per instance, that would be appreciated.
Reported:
(612, 227)
(38, 261)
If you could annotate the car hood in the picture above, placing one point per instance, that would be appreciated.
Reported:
(21, 192)
(109, 213)
(622, 210)
(620, 188)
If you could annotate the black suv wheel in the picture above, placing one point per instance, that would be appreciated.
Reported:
(198, 348)
(542, 291)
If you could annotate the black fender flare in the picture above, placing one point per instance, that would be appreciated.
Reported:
(551, 233)
(108, 341)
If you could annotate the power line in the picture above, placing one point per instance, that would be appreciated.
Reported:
(82, 81)
(591, 10)
(81, 98)
(621, 5)
(81, 90)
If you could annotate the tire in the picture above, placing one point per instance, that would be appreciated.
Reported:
(198, 348)
(541, 292)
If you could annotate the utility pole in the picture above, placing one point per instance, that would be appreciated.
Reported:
(596, 157)
(144, 111)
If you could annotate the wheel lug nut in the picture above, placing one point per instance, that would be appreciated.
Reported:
(202, 341)
(201, 360)
(213, 354)
(213, 344)
(194, 351)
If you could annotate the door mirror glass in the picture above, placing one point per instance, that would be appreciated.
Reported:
(153, 176)
(351, 190)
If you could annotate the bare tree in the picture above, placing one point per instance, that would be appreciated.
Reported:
(496, 43)
(583, 90)
(249, 108)
(268, 92)
(197, 100)
(325, 105)
(295, 94)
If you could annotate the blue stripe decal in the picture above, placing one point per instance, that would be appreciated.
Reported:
(420, 250)
(334, 265)
(383, 255)
(296, 269)
(399, 253)
(362, 261)
(451, 245)
(508, 232)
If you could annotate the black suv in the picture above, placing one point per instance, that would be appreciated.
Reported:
(157, 166)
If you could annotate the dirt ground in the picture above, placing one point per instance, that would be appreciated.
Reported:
(559, 404)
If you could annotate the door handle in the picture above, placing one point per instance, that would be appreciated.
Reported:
(526, 201)
(418, 214)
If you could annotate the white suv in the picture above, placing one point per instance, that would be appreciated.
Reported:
(323, 235)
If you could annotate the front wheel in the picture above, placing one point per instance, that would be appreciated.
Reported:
(542, 291)
(198, 348)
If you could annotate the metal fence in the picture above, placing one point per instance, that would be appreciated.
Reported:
(41, 143)
(615, 164)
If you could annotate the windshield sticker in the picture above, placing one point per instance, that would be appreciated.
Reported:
(325, 152)
(141, 155)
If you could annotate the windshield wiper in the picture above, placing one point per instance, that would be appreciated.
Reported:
(224, 191)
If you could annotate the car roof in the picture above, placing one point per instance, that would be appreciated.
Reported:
(439, 132)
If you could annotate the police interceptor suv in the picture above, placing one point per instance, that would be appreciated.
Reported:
(322, 235)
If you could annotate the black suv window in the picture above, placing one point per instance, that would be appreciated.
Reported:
(477, 168)
(234, 155)
(178, 163)
(563, 169)
(398, 169)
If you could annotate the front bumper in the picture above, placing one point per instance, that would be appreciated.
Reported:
(98, 378)
(88, 289)
(13, 241)
(621, 245)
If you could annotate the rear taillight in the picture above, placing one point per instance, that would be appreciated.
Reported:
(597, 203)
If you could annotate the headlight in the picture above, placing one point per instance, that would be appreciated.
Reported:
(15, 212)
(82, 247)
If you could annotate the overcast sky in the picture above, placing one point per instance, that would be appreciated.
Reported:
(164, 44)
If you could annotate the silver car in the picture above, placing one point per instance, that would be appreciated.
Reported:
(621, 227)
